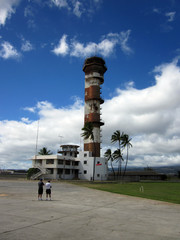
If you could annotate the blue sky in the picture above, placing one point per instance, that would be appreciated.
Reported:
(43, 45)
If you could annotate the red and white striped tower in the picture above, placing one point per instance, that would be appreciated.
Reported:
(94, 68)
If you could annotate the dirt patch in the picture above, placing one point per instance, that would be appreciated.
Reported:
(3, 195)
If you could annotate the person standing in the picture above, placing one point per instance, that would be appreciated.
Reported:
(48, 190)
(40, 189)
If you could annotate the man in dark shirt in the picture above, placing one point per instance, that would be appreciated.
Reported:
(40, 189)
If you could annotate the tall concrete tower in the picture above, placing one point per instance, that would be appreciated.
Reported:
(94, 68)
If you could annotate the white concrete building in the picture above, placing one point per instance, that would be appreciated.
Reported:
(70, 165)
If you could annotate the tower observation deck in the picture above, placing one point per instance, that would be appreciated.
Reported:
(94, 69)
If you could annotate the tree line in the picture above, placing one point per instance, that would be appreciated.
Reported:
(124, 142)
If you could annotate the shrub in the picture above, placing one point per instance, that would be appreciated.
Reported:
(31, 172)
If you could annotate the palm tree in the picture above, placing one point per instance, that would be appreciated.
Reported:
(108, 154)
(117, 137)
(126, 143)
(117, 155)
(88, 131)
(88, 134)
(44, 151)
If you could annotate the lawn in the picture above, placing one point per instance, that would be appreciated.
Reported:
(162, 191)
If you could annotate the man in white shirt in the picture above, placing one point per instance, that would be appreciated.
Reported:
(48, 190)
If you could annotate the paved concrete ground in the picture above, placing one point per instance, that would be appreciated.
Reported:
(80, 213)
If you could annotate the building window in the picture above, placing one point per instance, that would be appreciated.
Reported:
(38, 162)
(49, 161)
(85, 171)
(76, 163)
(98, 175)
(98, 162)
(50, 170)
(68, 162)
(67, 171)
(60, 171)
(85, 154)
(70, 153)
(60, 161)
(85, 162)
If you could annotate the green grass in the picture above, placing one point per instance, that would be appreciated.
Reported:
(162, 191)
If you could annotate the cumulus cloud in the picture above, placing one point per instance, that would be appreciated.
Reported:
(7, 8)
(151, 116)
(105, 47)
(18, 138)
(62, 48)
(8, 51)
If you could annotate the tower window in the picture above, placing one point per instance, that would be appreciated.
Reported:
(85, 171)
(85, 162)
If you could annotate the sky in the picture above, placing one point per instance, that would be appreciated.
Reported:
(43, 46)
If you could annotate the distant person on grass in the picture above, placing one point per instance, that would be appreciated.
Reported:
(48, 190)
(40, 189)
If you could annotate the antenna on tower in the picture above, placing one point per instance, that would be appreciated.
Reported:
(60, 139)
(96, 50)
(37, 136)
(80, 143)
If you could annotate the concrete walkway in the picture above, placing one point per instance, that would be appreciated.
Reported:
(79, 213)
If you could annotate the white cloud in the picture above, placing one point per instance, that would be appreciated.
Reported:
(25, 120)
(26, 46)
(18, 138)
(8, 51)
(151, 116)
(60, 3)
(124, 37)
(62, 48)
(7, 8)
(79, 50)
(105, 47)
(170, 16)
(77, 7)
(29, 11)
(78, 10)
(30, 109)
(156, 10)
